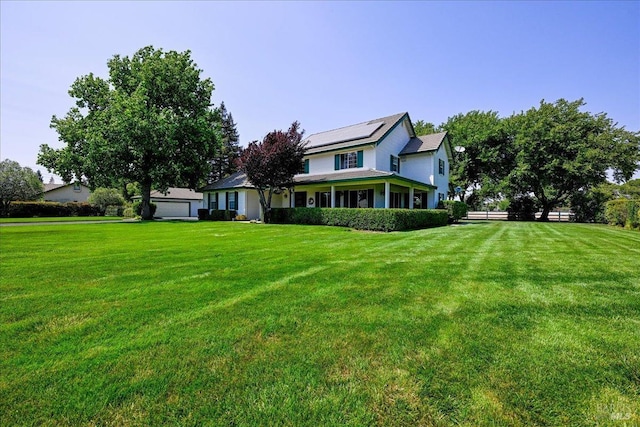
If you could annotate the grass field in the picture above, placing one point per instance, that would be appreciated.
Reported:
(244, 324)
(60, 219)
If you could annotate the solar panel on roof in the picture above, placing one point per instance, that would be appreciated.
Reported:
(349, 133)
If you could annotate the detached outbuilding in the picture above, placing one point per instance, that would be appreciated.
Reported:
(64, 193)
(177, 202)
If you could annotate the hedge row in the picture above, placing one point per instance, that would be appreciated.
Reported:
(623, 212)
(51, 209)
(217, 215)
(362, 219)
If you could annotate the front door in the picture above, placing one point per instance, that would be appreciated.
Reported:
(300, 199)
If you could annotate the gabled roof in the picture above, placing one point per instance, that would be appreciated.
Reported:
(425, 143)
(368, 132)
(51, 187)
(236, 180)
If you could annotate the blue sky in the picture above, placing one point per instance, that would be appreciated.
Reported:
(327, 64)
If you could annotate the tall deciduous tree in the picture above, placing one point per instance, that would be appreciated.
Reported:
(17, 183)
(151, 122)
(485, 155)
(561, 150)
(270, 165)
(225, 161)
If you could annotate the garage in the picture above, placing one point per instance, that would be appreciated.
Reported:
(166, 209)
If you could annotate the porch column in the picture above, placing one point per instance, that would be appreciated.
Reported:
(387, 195)
(333, 196)
(410, 197)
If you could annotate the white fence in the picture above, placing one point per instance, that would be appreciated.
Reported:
(502, 216)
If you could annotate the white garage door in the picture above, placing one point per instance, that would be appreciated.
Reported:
(172, 209)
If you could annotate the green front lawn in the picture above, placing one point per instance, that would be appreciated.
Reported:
(60, 219)
(244, 324)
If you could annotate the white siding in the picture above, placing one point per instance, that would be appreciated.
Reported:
(252, 204)
(418, 167)
(325, 162)
(67, 194)
(441, 181)
(392, 144)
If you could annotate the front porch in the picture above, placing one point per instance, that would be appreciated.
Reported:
(379, 190)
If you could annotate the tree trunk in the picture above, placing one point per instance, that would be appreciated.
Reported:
(546, 208)
(146, 201)
(265, 207)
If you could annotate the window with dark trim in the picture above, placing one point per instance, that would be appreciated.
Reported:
(441, 166)
(323, 199)
(394, 164)
(213, 202)
(232, 200)
(306, 166)
(352, 159)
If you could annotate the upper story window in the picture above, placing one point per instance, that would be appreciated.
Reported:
(306, 166)
(76, 186)
(353, 159)
(394, 164)
(441, 166)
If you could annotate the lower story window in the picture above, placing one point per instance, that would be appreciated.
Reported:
(232, 200)
(213, 202)
(323, 199)
(354, 198)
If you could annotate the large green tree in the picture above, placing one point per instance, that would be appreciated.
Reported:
(482, 154)
(17, 183)
(150, 122)
(561, 150)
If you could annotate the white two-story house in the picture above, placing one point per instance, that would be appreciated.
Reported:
(380, 163)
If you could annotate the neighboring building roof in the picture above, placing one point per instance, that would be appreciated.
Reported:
(175, 193)
(51, 187)
(368, 132)
(236, 180)
(421, 144)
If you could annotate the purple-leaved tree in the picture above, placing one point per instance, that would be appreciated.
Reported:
(270, 165)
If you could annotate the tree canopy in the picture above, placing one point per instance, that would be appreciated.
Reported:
(424, 128)
(17, 183)
(270, 165)
(556, 153)
(484, 155)
(561, 150)
(150, 122)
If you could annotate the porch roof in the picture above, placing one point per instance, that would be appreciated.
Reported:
(357, 175)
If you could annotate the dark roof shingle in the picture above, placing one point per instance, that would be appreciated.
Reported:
(421, 144)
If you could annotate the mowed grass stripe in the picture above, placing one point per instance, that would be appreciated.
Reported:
(241, 324)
